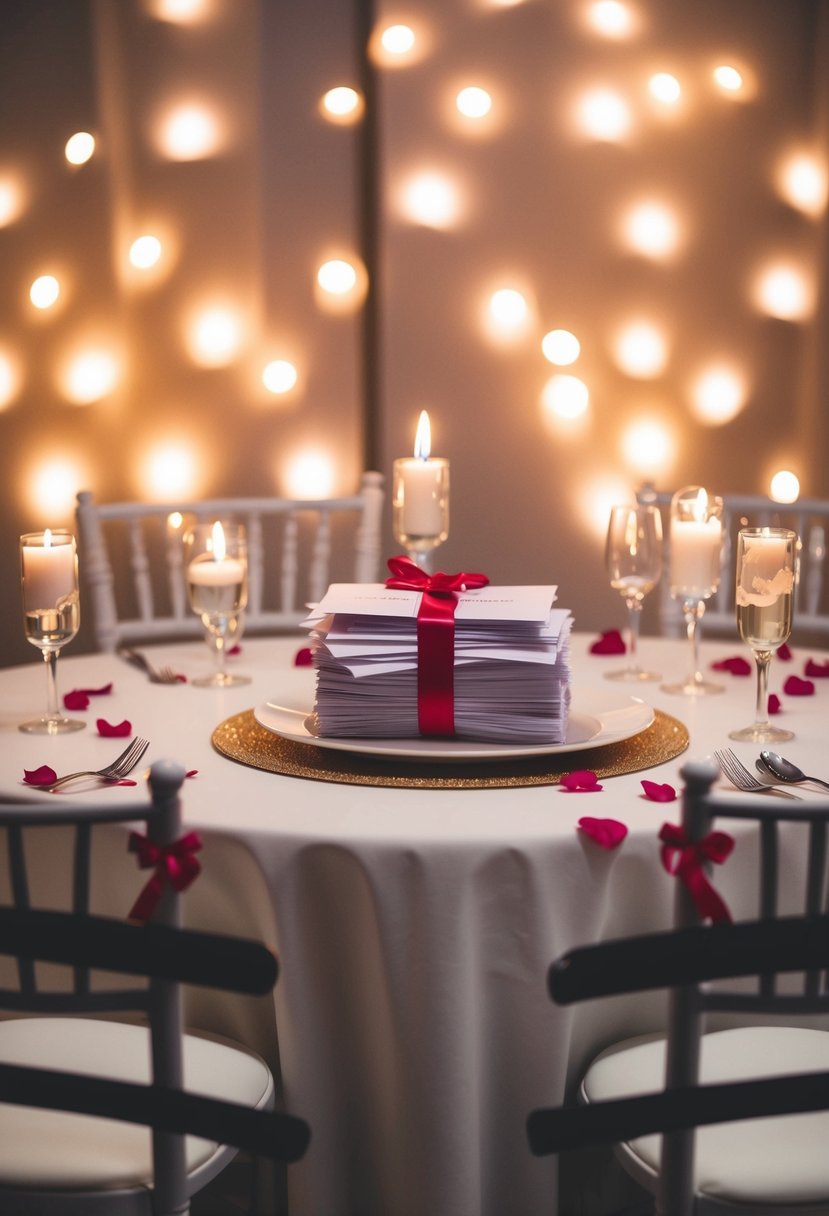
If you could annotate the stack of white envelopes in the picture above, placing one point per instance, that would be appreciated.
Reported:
(509, 677)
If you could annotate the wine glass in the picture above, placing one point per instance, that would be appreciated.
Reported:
(216, 570)
(633, 558)
(420, 499)
(765, 586)
(51, 613)
(696, 550)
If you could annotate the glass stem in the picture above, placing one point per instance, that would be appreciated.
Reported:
(634, 607)
(50, 658)
(219, 647)
(422, 558)
(693, 612)
(761, 711)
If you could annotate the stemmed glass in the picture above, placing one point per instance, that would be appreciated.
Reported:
(633, 558)
(765, 586)
(696, 548)
(216, 570)
(51, 613)
(420, 499)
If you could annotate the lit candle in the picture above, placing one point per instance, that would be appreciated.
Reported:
(48, 571)
(696, 544)
(764, 573)
(422, 490)
(216, 569)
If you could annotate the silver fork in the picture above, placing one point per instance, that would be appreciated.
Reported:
(157, 675)
(119, 767)
(738, 775)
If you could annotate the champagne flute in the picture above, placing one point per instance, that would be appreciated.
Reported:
(216, 570)
(696, 549)
(633, 558)
(51, 613)
(765, 587)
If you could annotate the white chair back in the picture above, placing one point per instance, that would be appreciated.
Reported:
(132, 567)
(809, 518)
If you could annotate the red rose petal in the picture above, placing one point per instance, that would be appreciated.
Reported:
(609, 833)
(659, 793)
(40, 776)
(610, 642)
(97, 692)
(194, 772)
(124, 781)
(582, 781)
(738, 666)
(303, 657)
(774, 703)
(795, 687)
(118, 731)
(76, 699)
(783, 652)
(237, 649)
(818, 671)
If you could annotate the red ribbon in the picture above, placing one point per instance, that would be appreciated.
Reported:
(685, 859)
(435, 639)
(174, 863)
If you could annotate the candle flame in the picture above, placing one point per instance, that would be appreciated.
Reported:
(47, 539)
(219, 547)
(423, 438)
(700, 507)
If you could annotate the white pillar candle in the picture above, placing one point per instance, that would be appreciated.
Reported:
(48, 571)
(207, 571)
(422, 483)
(764, 573)
(695, 557)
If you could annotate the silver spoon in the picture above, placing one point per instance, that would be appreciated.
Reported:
(784, 770)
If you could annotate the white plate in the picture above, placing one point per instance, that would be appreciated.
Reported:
(595, 719)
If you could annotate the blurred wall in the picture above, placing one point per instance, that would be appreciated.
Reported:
(674, 227)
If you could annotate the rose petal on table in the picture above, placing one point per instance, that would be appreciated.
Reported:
(76, 699)
(783, 652)
(180, 678)
(795, 687)
(737, 666)
(39, 776)
(659, 792)
(582, 781)
(817, 671)
(237, 649)
(104, 691)
(124, 781)
(303, 657)
(119, 730)
(774, 705)
(610, 642)
(609, 833)
(194, 772)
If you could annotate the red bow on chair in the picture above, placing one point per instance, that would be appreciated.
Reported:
(435, 639)
(174, 863)
(685, 859)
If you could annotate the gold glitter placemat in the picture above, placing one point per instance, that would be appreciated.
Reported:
(241, 738)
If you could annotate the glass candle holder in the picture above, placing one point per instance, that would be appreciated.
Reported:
(695, 557)
(51, 613)
(216, 572)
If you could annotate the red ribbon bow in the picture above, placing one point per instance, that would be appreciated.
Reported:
(435, 639)
(685, 858)
(174, 862)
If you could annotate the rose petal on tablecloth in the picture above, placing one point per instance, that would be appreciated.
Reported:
(582, 781)
(119, 730)
(193, 772)
(737, 666)
(303, 657)
(39, 776)
(784, 653)
(608, 833)
(610, 642)
(774, 705)
(817, 671)
(795, 687)
(659, 792)
(76, 699)
(234, 650)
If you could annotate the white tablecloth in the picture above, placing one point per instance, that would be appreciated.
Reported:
(411, 1023)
